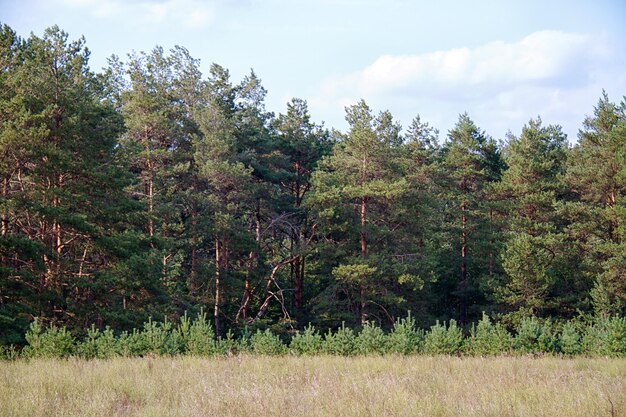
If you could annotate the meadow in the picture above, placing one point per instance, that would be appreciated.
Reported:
(257, 385)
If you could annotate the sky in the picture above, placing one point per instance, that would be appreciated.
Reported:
(501, 61)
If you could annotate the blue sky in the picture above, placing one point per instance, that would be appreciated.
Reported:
(501, 61)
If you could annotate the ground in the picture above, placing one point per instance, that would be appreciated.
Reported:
(315, 386)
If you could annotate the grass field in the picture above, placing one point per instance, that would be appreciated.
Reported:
(315, 386)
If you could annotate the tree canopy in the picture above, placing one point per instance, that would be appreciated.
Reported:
(151, 189)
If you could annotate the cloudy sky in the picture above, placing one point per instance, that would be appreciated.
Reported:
(502, 61)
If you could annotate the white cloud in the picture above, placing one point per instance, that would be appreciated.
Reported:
(542, 56)
(188, 13)
(548, 73)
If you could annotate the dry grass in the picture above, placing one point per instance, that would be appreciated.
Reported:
(315, 386)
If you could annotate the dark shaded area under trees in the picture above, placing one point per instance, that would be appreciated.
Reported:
(150, 190)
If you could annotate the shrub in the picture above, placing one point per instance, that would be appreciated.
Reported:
(160, 338)
(9, 353)
(535, 337)
(130, 344)
(570, 340)
(307, 342)
(197, 336)
(488, 339)
(405, 338)
(267, 343)
(371, 340)
(229, 345)
(606, 336)
(98, 344)
(615, 328)
(342, 342)
(54, 342)
(442, 340)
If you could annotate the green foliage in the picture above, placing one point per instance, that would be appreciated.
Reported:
(9, 353)
(442, 340)
(197, 336)
(52, 342)
(342, 342)
(597, 177)
(267, 343)
(307, 341)
(606, 336)
(156, 338)
(371, 340)
(534, 336)
(152, 188)
(230, 346)
(98, 344)
(603, 336)
(616, 335)
(534, 257)
(405, 338)
(488, 339)
(131, 344)
(570, 340)
(161, 338)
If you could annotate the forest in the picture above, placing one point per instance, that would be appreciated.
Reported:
(151, 190)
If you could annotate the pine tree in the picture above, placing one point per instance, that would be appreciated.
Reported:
(220, 162)
(303, 144)
(530, 190)
(63, 199)
(417, 244)
(354, 190)
(597, 175)
(471, 160)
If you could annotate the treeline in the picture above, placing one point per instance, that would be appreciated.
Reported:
(603, 337)
(150, 189)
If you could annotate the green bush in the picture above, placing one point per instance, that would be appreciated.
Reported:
(9, 353)
(342, 342)
(570, 340)
(98, 344)
(131, 344)
(606, 336)
(535, 337)
(197, 336)
(616, 335)
(230, 346)
(405, 338)
(488, 339)
(307, 342)
(160, 338)
(443, 340)
(267, 343)
(53, 342)
(603, 336)
(371, 340)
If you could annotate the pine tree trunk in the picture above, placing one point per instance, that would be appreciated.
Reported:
(149, 191)
(362, 235)
(252, 261)
(5, 217)
(298, 237)
(492, 245)
(216, 309)
(464, 276)
(300, 284)
(297, 282)
(193, 278)
(292, 270)
(150, 207)
(59, 231)
(362, 314)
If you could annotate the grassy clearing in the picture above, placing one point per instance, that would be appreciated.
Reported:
(315, 386)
